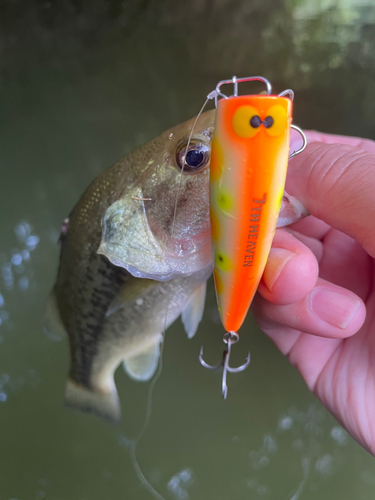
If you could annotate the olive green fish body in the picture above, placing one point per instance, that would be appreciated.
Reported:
(134, 256)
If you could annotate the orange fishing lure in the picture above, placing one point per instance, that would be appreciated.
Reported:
(249, 159)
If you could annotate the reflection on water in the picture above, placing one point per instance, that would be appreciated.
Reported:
(16, 269)
(82, 83)
(180, 483)
(308, 443)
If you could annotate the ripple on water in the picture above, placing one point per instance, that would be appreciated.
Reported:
(17, 265)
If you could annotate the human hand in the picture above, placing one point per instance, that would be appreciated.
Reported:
(316, 300)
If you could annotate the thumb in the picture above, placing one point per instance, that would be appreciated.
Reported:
(336, 183)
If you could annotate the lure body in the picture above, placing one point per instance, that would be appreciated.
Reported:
(249, 159)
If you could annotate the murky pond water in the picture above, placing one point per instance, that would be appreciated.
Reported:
(82, 83)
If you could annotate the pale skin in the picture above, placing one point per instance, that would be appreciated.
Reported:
(316, 300)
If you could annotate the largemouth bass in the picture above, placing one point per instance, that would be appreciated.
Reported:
(136, 254)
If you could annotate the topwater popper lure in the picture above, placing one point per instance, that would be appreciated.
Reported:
(249, 159)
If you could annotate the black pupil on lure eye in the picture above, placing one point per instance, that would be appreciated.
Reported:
(255, 121)
(268, 121)
(194, 158)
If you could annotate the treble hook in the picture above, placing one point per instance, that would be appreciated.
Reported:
(229, 338)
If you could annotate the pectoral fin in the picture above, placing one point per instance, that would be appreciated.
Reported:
(143, 366)
(192, 315)
(130, 290)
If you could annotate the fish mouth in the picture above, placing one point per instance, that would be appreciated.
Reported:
(181, 256)
(178, 248)
(181, 248)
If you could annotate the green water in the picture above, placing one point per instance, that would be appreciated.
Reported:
(82, 83)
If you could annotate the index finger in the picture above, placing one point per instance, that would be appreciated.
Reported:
(336, 183)
(312, 226)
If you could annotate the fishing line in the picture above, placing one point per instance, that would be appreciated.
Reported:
(183, 166)
(148, 414)
(306, 470)
(142, 432)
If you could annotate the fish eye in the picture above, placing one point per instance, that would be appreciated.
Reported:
(193, 159)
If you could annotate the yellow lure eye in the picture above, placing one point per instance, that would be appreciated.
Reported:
(222, 261)
(241, 121)
(224, 200)
(276, 120)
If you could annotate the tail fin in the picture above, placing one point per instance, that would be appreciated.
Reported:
(103, 404)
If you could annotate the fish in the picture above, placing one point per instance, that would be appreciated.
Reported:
(135, 255)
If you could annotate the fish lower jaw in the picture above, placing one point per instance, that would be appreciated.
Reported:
(169, 259)
(175, 271)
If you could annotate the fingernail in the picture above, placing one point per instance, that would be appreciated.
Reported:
(277, 259)
(334, 308)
